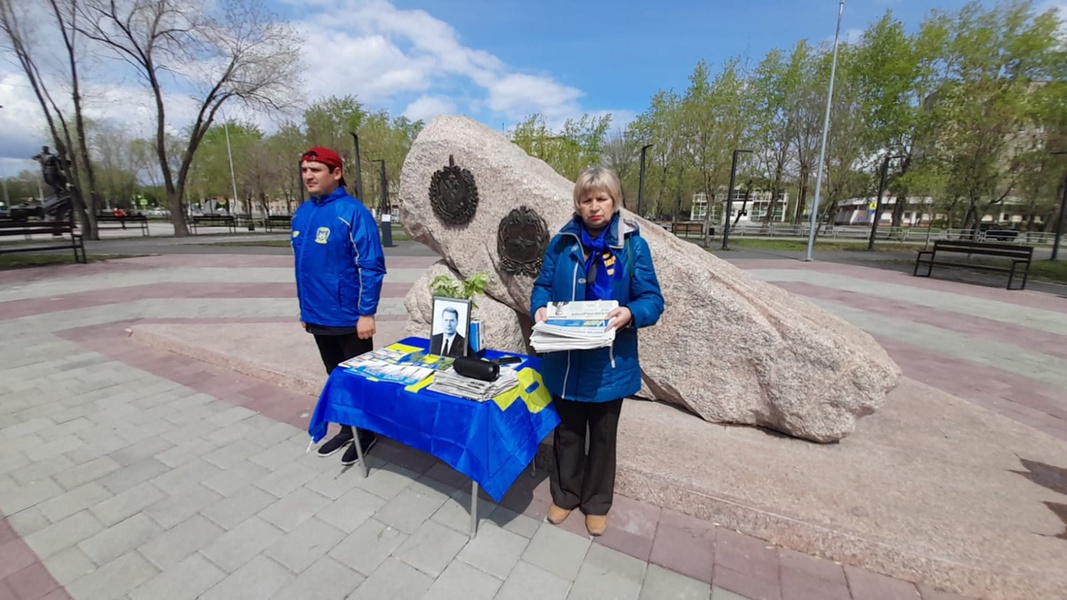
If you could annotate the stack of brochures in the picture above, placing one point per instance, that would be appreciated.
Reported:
(578, 325)
(395, 366)
(452, 383)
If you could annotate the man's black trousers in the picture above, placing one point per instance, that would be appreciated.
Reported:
(582, 480)
(336, 349)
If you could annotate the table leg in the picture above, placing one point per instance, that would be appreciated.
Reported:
(474, 509)
(359, 453)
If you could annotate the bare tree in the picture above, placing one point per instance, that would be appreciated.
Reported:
(233, 53)
(72, 147)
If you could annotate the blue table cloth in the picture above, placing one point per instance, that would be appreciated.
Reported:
(491, 442)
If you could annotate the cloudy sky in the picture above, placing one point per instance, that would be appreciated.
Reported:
(494, 60)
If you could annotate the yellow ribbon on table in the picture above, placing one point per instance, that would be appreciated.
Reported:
(536, 399)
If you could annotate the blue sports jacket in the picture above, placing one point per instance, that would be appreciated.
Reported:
(339, 260)
(603, 374)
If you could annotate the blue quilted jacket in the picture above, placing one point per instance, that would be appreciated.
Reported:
(603, 374)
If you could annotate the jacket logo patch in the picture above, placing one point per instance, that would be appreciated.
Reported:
(296, 233)
(322, 235)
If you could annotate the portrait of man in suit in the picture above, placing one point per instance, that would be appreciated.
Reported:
(449, 326)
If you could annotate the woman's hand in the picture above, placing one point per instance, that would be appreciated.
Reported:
(541, 315)
(623, 317)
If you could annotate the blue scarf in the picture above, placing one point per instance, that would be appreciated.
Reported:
(604, 260)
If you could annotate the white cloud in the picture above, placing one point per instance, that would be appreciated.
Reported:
(428, 107)
(21, 119)
(517, 95)
(1060, 6)
(380, 52)
(406, 61)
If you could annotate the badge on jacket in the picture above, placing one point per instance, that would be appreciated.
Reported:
(322, 235)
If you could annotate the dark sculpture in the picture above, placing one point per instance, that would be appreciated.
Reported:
(521, 241)
(453, 194)
(57, 207)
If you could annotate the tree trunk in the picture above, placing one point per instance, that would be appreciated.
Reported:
(177, 213)
(802, 198)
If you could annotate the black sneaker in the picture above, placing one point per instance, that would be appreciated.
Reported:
(335, 443)
(367, 439)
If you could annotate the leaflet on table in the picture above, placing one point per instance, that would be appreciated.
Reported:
(396, 366)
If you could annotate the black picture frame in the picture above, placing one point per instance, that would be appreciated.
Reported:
(440, 323)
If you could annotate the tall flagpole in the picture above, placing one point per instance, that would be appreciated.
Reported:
(825, 129)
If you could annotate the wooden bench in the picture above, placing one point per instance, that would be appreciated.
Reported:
(116, 222)
(684, 228)
(28, 229)
(284, 222)
(1019, 255)
(215, 221)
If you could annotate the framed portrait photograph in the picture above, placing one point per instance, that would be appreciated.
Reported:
(450, 329)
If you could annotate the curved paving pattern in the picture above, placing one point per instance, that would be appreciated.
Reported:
(130, 472)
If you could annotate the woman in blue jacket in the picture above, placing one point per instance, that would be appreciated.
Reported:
(595, 256)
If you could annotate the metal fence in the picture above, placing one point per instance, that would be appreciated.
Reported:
(912, 235)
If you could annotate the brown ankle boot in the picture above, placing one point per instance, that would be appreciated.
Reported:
(557, 515)
(596, 524)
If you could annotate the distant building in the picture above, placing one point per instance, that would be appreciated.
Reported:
(918, 212)
(755, 210)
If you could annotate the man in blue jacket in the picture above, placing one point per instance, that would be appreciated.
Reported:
(339, 272)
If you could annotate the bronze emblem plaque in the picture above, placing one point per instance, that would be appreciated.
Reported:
(453, 194)
(521, 241)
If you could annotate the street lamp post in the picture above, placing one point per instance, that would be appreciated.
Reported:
(641, 181)
(359, 167)
(385, 215)
(1060, 219)
(878, 204)
(825, 130)
(233, 179)
(730, 201)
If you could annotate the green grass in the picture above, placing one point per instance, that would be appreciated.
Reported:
(823, 245)
(26, 261)
(397, 237)
(1040, 269)
(256, 243)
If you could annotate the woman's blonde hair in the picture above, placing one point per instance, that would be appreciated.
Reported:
(598, 179)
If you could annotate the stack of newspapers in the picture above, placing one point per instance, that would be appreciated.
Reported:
(579, 325)
(452, 383)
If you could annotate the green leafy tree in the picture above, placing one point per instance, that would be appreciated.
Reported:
(578, 145)
(328, 123)
(771, 90)
(987, 125)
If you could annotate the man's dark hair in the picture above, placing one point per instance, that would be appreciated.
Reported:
(451, 310)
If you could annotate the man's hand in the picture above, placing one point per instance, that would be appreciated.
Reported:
(541, 315)
(623, 317)
(365, 327)
(304, 326)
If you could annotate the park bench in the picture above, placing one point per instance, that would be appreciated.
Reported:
(125, 222)
(27, 229)
(684, 228)
(1019, 255)
(214, 221)
(284, 222)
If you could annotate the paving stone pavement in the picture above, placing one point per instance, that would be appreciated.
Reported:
(129, 472)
